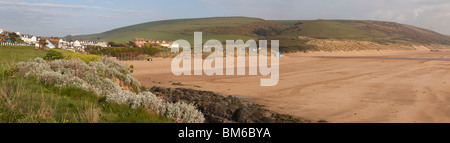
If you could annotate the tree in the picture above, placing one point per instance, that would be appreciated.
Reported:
(14, 37)
(132, 44)
(112, 44)
(42, 43)
(270, 31)
(3, 38)
(20, 41)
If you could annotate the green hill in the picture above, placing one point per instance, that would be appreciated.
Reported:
(229, 28)
(375, 31)
(176, 29)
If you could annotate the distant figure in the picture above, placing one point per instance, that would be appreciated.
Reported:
(149, 60)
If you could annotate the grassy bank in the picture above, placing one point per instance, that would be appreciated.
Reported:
(25, 101)
(73, 55)
(40, 95)
(13, 54)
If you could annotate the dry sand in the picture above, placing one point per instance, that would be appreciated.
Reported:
(335, 90)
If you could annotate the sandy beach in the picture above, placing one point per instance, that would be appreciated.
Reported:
(347, 90)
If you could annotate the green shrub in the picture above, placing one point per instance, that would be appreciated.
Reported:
(53, 55)
(11, 71)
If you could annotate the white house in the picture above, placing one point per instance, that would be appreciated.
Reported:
(63, 44)
(165, 45)
(1, 31)
(29, 39)
(76, 44)
(174, 45)
(170, 44)
(33, 39)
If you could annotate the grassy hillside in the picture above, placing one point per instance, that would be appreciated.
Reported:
(374, 31)
(73, 91)
(174, 29)
(12, 54)
(231, 28)
(27, 101)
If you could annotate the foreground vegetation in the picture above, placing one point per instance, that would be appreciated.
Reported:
(74, 91)
(68, 55)
(26, 101)
(106, 78)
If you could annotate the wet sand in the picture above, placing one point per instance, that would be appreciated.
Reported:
(345, 90)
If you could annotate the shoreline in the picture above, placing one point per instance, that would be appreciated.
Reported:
(335, 90)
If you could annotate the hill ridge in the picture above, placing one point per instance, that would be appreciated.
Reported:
(229, 28)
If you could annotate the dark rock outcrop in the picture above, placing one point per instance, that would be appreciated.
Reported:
(223, 109)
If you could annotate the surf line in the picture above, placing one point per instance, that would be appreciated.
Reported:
(258, 58)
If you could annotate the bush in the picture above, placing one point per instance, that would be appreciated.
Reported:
(53, 55)
(11, 71)
(114, 51)
(103, 78)
(179, 111)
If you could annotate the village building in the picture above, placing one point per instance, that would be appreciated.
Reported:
(94, 43)
(55, 42)
(76, 44)
(173, 45)
(140, 42)
(29, 39)
(63, 44)
(50, 45)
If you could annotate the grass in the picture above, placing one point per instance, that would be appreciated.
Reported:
(326, 29)
(9, 55)
(173, 30)
(23, 101)
(84, 57)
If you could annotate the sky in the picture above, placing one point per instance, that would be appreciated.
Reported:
(70, 17)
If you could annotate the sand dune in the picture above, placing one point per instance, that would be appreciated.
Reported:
(335, 90)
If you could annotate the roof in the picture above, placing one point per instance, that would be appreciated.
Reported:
(139, 39)
(54, 42)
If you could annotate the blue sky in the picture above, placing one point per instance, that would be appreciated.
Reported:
(64, 17)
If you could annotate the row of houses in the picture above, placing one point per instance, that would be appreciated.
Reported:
(55, 42)
(140, 42)
(14, 44)
(51, 42)
(79, 45)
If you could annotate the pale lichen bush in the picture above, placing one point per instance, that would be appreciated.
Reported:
(186, 112)
(96, 77)
(72, 73)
